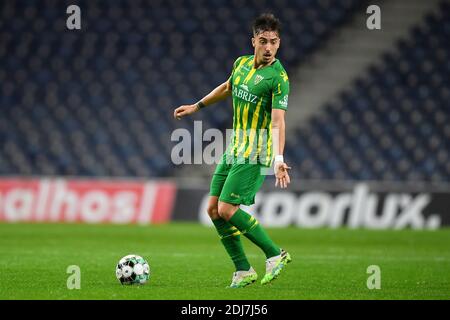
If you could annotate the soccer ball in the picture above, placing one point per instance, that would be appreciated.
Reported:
(133, 269)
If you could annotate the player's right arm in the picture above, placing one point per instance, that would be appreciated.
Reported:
(220, 93)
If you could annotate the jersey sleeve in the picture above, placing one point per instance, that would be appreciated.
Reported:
(280, 91)
(235, 64)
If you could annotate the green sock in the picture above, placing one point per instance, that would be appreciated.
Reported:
(231, 240)
(250, 228)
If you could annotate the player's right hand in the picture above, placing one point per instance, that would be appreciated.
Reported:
(184, 111)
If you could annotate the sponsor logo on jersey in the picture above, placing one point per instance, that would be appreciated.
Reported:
(244, 95)
(244, 86)
(284, 102)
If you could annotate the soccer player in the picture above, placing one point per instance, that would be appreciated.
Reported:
(259, 87)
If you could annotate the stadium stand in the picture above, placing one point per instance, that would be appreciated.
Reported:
(394, 122)
(99, 101)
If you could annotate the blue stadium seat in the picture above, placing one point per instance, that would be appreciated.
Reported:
(99, 101)
(393, 124)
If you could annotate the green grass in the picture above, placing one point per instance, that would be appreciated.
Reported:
(188, 262)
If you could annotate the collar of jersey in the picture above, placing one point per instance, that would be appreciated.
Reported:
(253, 64)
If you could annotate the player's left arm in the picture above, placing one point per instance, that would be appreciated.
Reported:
(280, 93)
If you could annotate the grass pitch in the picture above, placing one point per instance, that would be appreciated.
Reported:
(188, 262)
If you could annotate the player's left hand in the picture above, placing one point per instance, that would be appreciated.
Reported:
(282, 175)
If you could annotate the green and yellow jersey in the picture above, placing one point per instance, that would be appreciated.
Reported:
(255, 93)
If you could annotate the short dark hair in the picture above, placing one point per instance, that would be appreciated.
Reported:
(266, 22)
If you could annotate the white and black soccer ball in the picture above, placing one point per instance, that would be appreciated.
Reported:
(133, 269)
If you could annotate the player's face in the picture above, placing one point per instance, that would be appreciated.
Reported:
(266, 45)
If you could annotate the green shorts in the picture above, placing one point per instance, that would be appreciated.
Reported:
(236, 183)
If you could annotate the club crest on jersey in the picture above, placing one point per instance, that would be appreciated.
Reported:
(258, 79)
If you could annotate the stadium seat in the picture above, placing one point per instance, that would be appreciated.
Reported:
(393, 124)
(99, 101)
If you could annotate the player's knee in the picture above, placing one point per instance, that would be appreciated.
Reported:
(213, 212)
(226, 210)
(212, 209)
